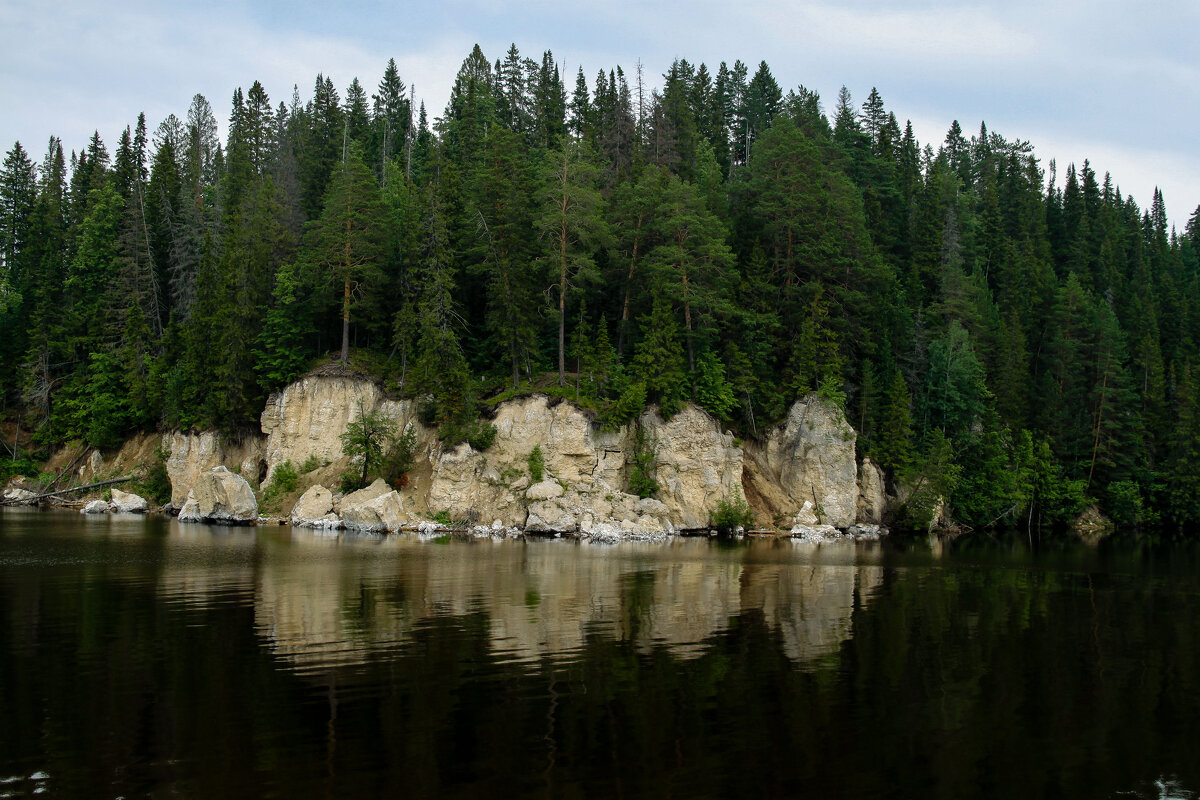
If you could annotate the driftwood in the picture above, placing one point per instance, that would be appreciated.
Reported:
(43, 496)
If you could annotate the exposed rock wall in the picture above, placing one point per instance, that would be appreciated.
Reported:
(191, 455)
(697, 465)
(809, 457)
(308, 417)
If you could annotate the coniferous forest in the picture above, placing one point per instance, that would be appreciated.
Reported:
(1019, 336)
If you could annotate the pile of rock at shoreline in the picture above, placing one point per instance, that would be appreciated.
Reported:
(121, 503)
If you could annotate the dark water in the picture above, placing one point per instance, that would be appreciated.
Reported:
(143, 658)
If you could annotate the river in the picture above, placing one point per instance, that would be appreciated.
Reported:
(144, 658)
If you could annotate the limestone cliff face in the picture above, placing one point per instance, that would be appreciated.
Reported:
(697, 464)
(191, 455)
(308, 417)
(810, 457)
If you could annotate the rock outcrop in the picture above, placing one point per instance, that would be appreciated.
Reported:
(220, 496)
(872, 493)
(127, 503)
(802, 472)
(95, 507)
(190, 455)
(307, 418)
(809, 457)
(376, 509)
(314, 509)
(697, 465)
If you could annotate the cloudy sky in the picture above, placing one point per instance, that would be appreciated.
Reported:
(1112, 81)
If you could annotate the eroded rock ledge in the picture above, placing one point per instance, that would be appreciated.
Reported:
(803, 473)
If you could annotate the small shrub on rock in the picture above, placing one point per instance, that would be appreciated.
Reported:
(732, 512)
(537, 464)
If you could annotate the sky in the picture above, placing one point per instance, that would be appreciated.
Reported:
(1111, 81)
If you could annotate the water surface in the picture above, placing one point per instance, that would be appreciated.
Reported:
(140, 657)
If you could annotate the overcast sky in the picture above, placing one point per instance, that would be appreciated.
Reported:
(1113, 81)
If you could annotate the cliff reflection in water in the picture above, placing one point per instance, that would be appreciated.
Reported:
(323, 601)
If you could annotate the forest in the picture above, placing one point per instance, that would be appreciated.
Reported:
(1020, 340)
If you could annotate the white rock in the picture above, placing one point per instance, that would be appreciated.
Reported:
(809, 457)
(377, 488)
(190, 511)
(807, 515)
(128, 503)
(697, 464)
(95, 507)
(546, 490)
(19, 495)
(314, 508)
(378, 515)
(220, 496)
(872, 495)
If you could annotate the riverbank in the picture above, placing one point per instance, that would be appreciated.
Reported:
(651, 478)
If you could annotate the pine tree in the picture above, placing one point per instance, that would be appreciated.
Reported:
(346, 244)
(571, 226)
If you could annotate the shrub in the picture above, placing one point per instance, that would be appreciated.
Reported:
(537, 464)
(642, 473)
(283, 481)
(155, 485)
(732, 512)
(481, 436)
(311, 463)
(442, 517)
(350, 481)
(402, 455)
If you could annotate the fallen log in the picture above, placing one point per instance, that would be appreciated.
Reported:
(43, 496)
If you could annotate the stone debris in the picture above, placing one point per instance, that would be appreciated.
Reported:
(95, 507)
(128, 503)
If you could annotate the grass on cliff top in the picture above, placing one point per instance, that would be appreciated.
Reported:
(547, 384)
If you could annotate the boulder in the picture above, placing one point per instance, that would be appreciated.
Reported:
(191, 455)
(95, 507)
(19, 495)
(377, 488)
(546, 490)
(190, 510)
(378, 515)
(220, 496)
(128, 503)
(314, 509)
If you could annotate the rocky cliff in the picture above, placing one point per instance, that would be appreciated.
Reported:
(805, 467)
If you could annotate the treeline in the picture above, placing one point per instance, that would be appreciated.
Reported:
(1021, 349)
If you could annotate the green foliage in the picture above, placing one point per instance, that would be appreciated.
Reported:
(732, 513)
(441, 517)
(350, 481)
(713, 393)
(155, 483)
(22, 465)
(365, 438)
(482, 436)
(1124, 505)
(932, 482)
(643, 470)
(401, 456)
(537, 463)
(311, 463)
(626, 407)
(659, 360)
(830, 391)
(741, 248)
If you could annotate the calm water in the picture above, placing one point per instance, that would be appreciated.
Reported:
(143, 658)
